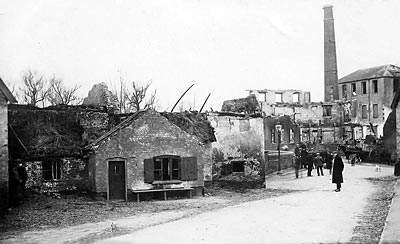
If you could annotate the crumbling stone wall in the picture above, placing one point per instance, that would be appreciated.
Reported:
(100, 95)
(238, 137)
(94, 124)
(3, 154)
(74, 176)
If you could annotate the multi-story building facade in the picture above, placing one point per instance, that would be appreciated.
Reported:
(370, 93)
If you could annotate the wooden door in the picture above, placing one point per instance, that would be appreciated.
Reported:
(116, 180)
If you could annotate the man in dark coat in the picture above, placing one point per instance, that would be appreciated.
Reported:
(297, 164)
(23, 175)
(338, 166)
(318, 161)
(310, 164)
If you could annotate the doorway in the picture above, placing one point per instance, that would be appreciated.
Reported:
(116, 180)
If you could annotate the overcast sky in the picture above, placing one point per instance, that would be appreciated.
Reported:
(224, 47)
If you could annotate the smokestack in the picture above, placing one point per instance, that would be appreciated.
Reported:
(330, 63)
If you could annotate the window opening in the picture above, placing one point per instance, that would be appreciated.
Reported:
(364, 111)
(279, 97)
(375, 86)
(51, 170)
(237, 166)
(353, 89)
(364, 87)
(344, 91)
(375, 111)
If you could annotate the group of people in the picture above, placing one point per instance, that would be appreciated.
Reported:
(310, 160)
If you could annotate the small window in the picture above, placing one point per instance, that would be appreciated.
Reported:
(353, 89)
(170, 167)
(296, 97)
(396, 82)
(344, 91)
(279, 97)
(237, 166)
(364, 112)
(375, 111)
(273, 136)
(51, 170)
(291, 136)
(327, 111)
(375, 86)
(364, 87)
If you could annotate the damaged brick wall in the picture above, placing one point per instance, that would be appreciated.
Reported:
(238, 137)
(74, 176)
(3, 154)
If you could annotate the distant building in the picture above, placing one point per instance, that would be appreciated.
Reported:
(370, 93)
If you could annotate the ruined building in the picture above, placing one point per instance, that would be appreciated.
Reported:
(92, 149)
(6, 98)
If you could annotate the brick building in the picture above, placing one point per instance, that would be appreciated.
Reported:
(148, 150)
(6, 98)
(370, 93)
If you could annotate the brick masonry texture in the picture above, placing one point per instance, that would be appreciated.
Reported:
(148, 136)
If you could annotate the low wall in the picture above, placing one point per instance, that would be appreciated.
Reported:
(272, 159)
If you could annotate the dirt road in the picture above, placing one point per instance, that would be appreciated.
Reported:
(317, 215)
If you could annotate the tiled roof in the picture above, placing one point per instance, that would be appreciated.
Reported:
(371, 73)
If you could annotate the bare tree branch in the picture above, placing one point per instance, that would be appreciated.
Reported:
(35, 88)
(137, 97)
(59, 94)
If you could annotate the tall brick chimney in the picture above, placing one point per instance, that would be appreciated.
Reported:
(330, 63)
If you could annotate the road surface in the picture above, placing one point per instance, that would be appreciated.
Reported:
(315, 214)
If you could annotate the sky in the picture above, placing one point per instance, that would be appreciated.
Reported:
(223, 47)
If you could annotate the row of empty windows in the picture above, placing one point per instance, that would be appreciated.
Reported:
(364, 111)
(363, 88)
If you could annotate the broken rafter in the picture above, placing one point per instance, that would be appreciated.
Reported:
(181, 98)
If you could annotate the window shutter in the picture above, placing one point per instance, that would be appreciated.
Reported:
(148, 170)
(189, 168)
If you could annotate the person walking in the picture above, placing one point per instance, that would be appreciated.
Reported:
(318, 164)
(338, 166)
(297, 163)
(304, 157)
